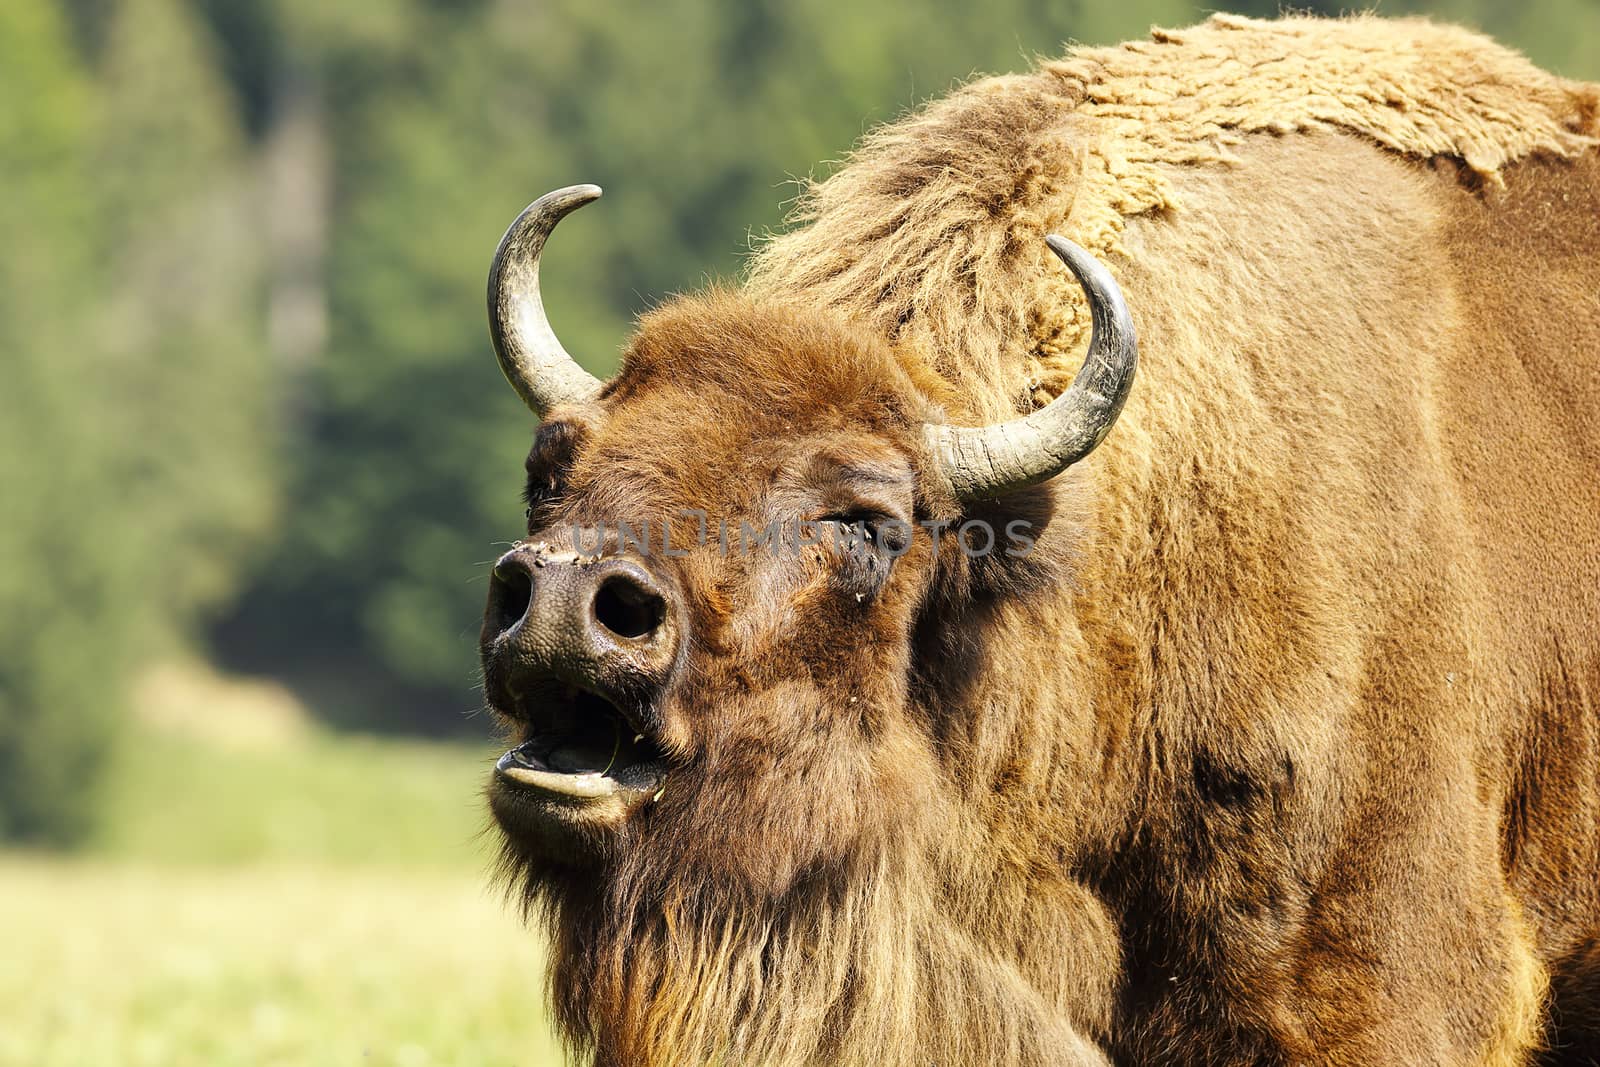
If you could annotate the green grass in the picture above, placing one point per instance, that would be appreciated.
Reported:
(146, 966)
(325, 798)
(323, 901)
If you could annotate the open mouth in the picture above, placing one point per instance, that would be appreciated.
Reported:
(578, 744)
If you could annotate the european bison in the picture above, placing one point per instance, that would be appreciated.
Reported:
(1265, 732)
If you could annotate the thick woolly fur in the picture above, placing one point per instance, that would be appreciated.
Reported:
(1283, 746)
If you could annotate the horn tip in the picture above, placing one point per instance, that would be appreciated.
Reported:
(582, 193)
(562, 201)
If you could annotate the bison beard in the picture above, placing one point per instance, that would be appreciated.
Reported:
(1282, 744)
(671, 964)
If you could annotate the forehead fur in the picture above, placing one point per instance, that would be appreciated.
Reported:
(732, 356)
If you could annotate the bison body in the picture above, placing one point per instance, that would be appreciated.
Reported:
(1281, 745)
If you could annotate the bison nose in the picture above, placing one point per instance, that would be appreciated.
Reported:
(587, 621)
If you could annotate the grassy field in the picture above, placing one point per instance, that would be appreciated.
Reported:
(300, 899)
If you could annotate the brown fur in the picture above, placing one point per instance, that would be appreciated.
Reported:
(1283, 747)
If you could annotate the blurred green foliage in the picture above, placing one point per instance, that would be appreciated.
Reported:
(250, 401)
(136, 452)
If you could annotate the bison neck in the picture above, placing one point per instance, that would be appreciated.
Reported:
(880, 963)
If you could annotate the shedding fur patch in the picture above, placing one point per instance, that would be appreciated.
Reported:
(932, 231)
(1413, 86)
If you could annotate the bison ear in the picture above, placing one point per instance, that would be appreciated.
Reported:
(981, 462)
(531, 357)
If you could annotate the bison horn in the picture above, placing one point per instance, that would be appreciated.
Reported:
(981, 462)
(531, 357)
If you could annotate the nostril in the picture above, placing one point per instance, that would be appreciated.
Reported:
(513, 590)
(628, 609)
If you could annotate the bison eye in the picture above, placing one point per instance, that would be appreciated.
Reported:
(539, 492)
(539, 496)
(873, 528)
(850, 518)
(554, 448)
(865, 545)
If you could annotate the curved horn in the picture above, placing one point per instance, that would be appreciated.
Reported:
(981, 462)
(531, 357)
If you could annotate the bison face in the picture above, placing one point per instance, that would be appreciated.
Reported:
(703, 650)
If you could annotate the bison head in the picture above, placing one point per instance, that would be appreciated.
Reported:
(715, 651)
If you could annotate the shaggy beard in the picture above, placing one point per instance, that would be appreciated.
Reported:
(860, 965)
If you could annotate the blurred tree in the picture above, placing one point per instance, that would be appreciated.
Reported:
(60, 633)
(133, 444)
(180, 322)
